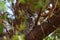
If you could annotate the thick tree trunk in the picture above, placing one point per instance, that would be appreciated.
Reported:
(43, 30)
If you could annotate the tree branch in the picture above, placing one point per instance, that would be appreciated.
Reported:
(48, 27)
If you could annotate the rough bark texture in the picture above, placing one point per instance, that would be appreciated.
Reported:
(43, 30)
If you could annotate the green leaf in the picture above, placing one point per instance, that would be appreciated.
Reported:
(4, 16)
(15, 37)
(46, 1)
(22, 1)
(25, 19)
(21, 37)
(22, 26)
(58, 35)
(1, 28)
(49, 38)
(8, 0)
(41, 4)
(2, 6)
(20, 12)
(35, 7)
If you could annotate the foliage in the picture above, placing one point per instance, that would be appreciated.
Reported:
(22, 1)
(1, 28)
(21, 36)
(22, 12)
(2, 6)
(41, 4)
(15, 37)
(4, 16)
(22, 26)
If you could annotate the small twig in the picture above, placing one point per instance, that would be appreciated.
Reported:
(52, 9)
(38, 18)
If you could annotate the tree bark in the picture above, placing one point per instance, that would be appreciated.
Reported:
(41, 31)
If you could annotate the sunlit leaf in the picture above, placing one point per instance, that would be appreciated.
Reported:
(49, 38)
(21, 36)
(22, 26)
(2, 6)
(22, 1)
(15, 37)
